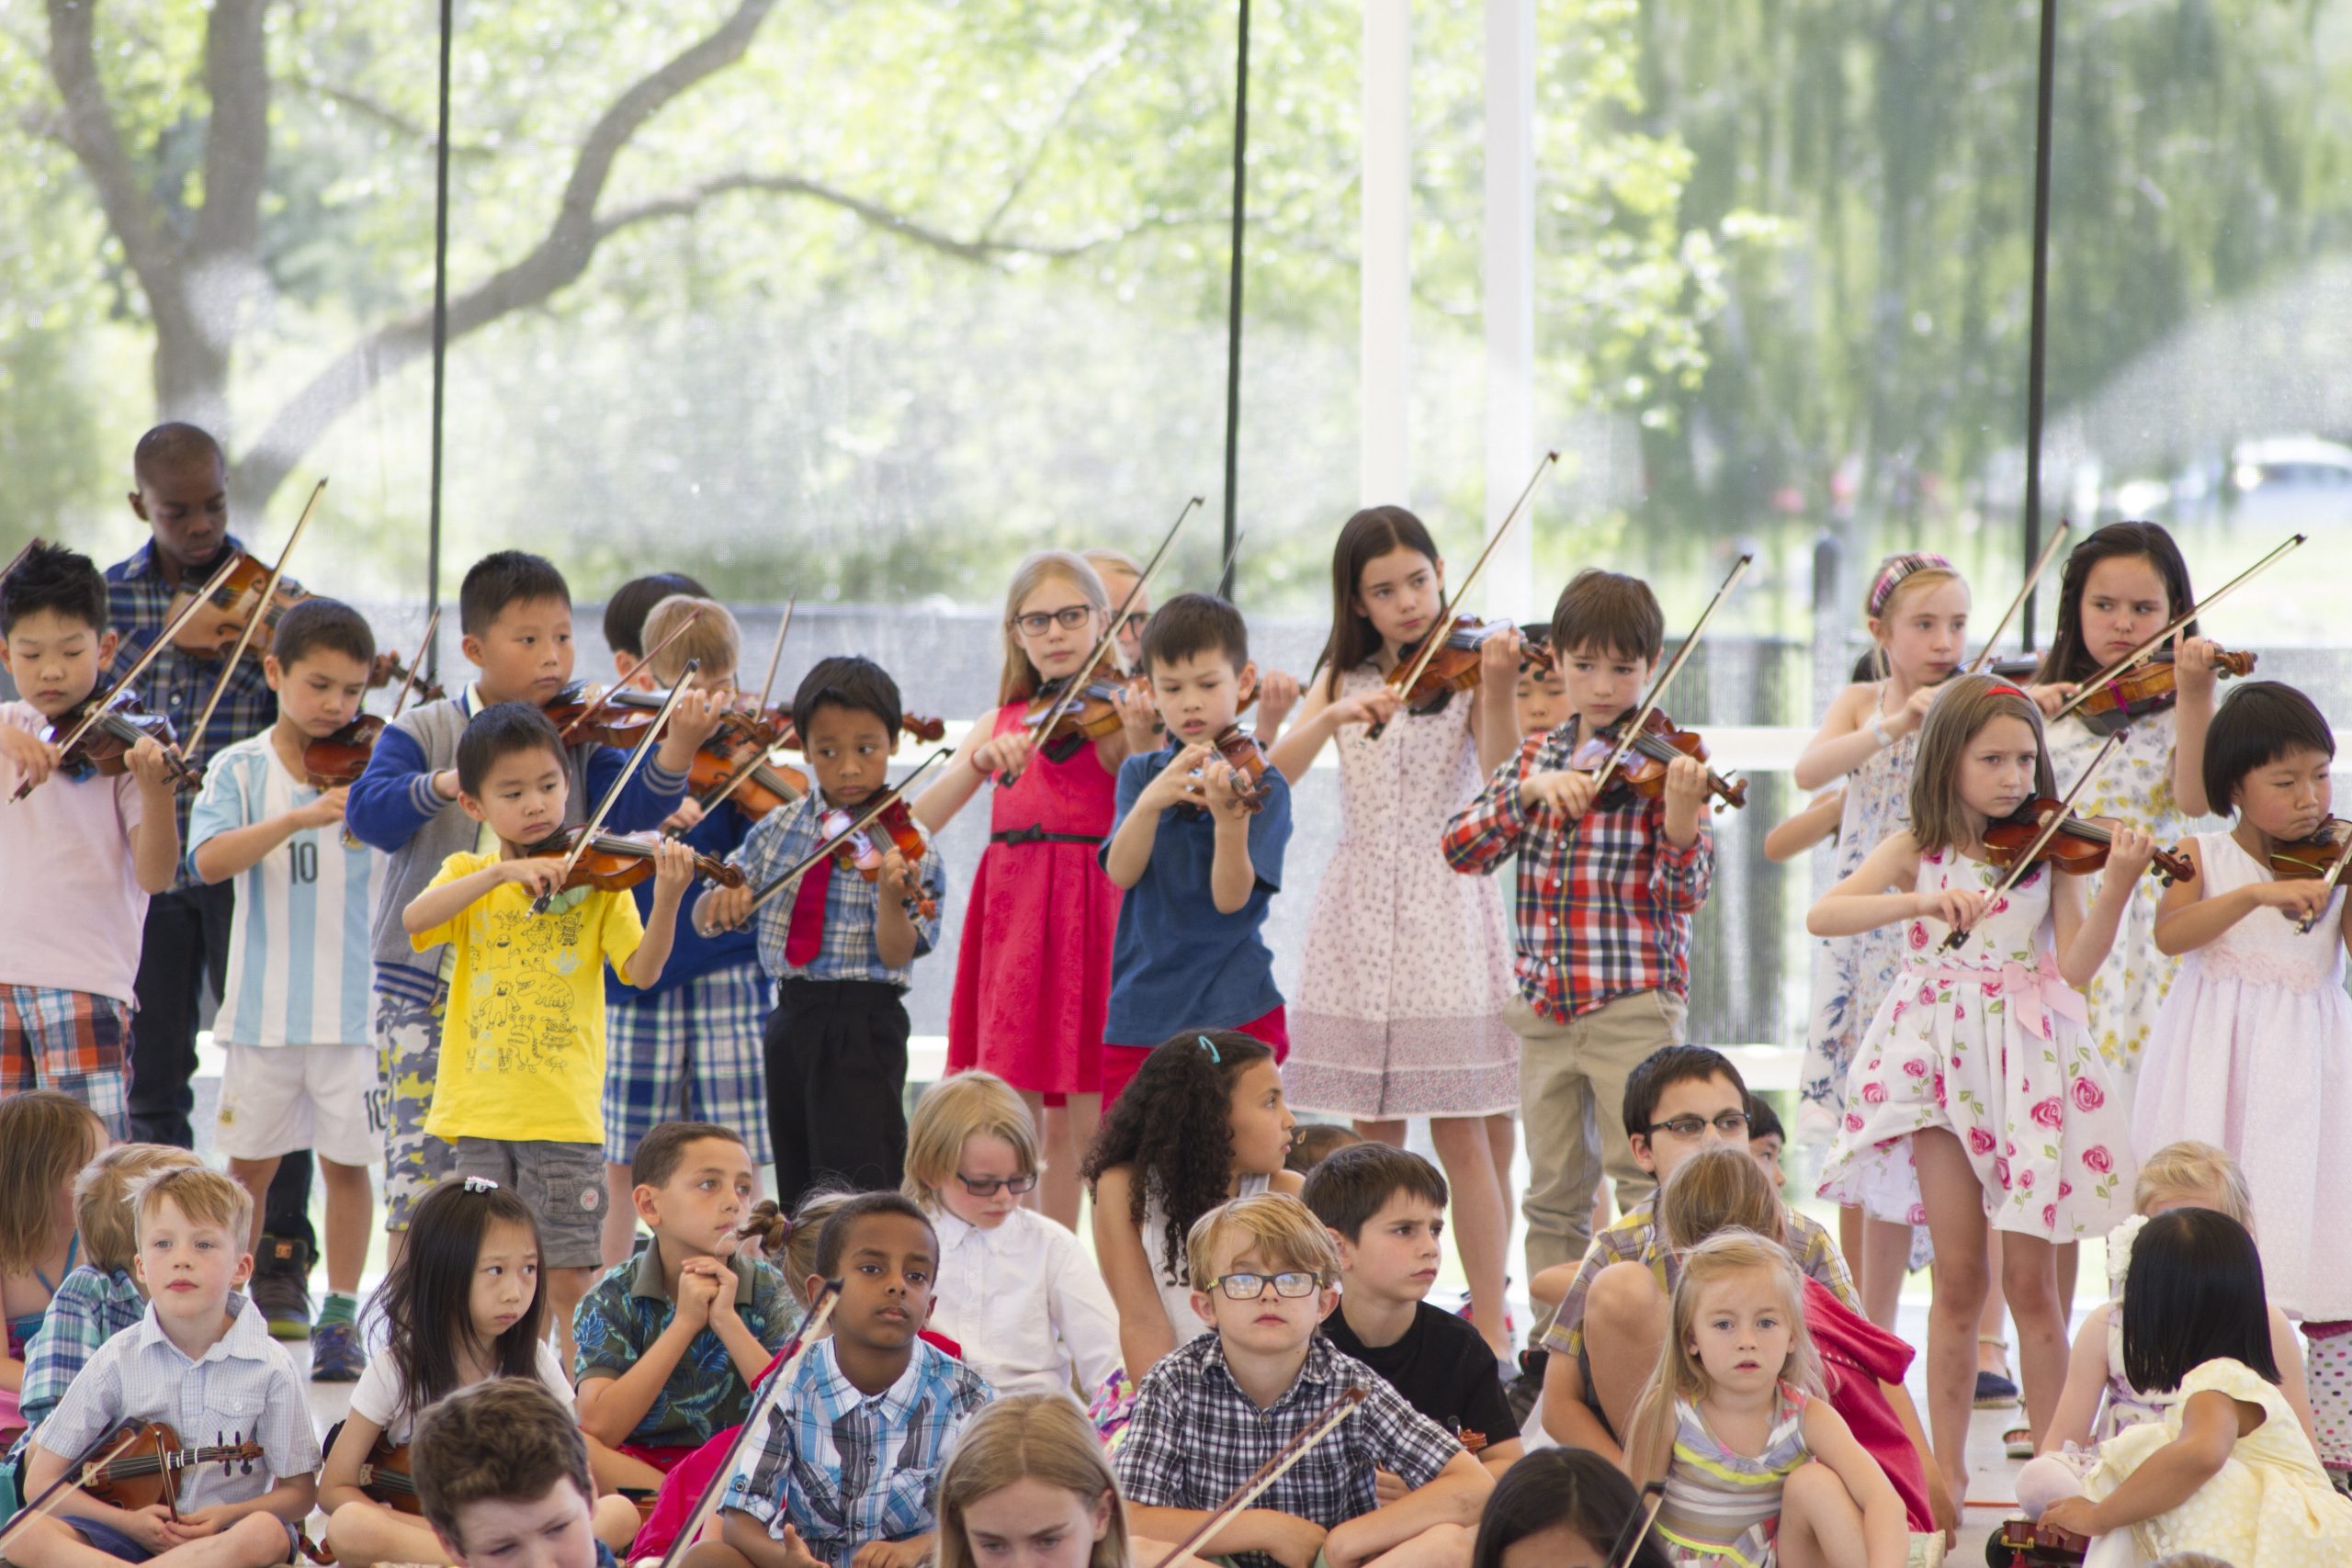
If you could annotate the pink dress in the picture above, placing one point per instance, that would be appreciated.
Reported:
(1987, 1042)
(1032, 979)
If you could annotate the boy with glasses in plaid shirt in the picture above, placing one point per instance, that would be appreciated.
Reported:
(1215, 1410)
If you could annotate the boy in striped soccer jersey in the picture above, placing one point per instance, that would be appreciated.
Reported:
(301, 1070)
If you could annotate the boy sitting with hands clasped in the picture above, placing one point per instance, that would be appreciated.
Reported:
(1216, 1409)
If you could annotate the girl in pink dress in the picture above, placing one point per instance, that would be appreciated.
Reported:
(1976, 1100)
(1033, 976)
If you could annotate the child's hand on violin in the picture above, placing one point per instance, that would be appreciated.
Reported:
(323, 812)
(2128, 854)
(1140, 716)
(1499, 661)
(1221, 791)
(899, 877)
(686, 818)
(2050, 695)
(1958, 908)
(150, 764)
(673, 870)
(2193, 667)
(698, 718)
(35, 758)
(722, 908)
(536, 875)
(1006, 754)
(1685, 783)
(1914, 711)
(1277, 695)
(2073, 1515)
(1178, 784)
(1566, 793)
(1377, 706)
(2299, 897)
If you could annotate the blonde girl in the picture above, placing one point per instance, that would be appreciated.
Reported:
(1032, 979)
(1976, 1101)
(1013, 1287)
(1030, 1486)
(1759, 1469)
(46, 1138)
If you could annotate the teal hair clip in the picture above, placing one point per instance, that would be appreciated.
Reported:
(1210, 1047)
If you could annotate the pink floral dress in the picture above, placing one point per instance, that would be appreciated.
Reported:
(1986, 1041)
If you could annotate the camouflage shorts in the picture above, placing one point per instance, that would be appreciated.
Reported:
(408, 1053)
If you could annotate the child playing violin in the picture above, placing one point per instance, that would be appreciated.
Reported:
(84, 852)
(692, 1038)
(844, 947)
(1608, 881)
(521, 1103)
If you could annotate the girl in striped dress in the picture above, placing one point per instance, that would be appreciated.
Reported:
(1752, 1457)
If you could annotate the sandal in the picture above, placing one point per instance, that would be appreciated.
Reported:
(1996, 1390)
(2017, 1443)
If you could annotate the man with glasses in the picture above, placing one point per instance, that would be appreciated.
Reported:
(1603, 1345)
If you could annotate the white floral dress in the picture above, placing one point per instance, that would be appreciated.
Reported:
(2134, 785)
(1987, 1042)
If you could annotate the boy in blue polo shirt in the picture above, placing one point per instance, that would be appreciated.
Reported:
(1197, 859)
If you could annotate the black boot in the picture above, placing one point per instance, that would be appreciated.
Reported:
(281, 1286)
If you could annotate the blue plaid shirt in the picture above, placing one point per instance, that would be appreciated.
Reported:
(844, 1468)
(91, 1306)
(845, 950)
(627, 1311)
(178, 684)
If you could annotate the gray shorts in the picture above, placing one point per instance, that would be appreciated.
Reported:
(564, 1184)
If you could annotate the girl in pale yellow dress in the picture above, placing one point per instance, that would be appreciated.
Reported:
(2229, 1470)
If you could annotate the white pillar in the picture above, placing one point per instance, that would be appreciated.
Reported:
(1385, 302)
(1507, 586)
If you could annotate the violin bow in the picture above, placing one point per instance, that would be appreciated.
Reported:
(605, 696)
(821, 1312)
(2041, 565)
(734, 781)
(253, 624)
(432, 622)
(620, 782)
(1956, 938)
(2329, 879)
(1633, 730)
(1078, 677)
(1637, 1527)
(1435, 637)
(1289, 1454)
(880, 804)
(2083, 694)
(30, 546)
(80, 1473)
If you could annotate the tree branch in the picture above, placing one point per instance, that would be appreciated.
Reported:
(1103, 61)
(87, 128)
(391, 119)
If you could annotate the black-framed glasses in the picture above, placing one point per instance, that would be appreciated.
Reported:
(1249, 1287)
(1731, 1124)
(1070, 617)
(986, 1186)
(1134, 622)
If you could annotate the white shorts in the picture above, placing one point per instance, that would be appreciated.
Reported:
(276, 1100)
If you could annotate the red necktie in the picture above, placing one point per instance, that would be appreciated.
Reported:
(807, 932)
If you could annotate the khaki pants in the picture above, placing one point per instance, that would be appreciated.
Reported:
(1572, 1097)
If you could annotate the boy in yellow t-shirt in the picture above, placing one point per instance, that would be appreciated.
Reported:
(523, 1061)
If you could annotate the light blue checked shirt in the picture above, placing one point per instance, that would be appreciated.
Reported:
(784, 838)
(92, 1305)
(844, 1468)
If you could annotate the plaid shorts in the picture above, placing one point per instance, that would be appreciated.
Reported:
(76, 1041)
(692, 1051)
(408, 1053)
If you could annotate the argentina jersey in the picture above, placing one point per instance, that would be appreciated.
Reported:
(299, 949)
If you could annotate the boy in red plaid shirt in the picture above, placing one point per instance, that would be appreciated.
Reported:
(1607, 887)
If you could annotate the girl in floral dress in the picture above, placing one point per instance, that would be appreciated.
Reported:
(1975, 1095)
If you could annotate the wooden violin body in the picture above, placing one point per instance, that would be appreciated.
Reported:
(606, 720)
(2311, 857)
(770, 785)
(2079, 847)
(387, 1478)
(142, 1474)
(336, 761)
(1455, 665)
(864, 850)
(1643, 767)
(1090, 714)
(615, 861)
(2153, 684)
(1247, 758)
(213, 630)
(388, 669)
(105, 746)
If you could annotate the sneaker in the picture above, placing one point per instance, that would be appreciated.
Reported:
(278, 1287)
(1995, 1390)
(1523, 1390)
(335, 1353)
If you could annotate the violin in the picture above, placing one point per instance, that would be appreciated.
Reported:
(862, 854)
(388, 669)
(771, 728)
(926, 728)
(616, 721)
(2153, 684)
(213, 630)
(2077, 848)
(105, 746)
(387, 1477)
(336, 761)
(1092, 714)
(1455, 666)
(2312, 857)
(769, 787)
(141, 1475)
(1247, 760)
(1643, 771)
(615, 861)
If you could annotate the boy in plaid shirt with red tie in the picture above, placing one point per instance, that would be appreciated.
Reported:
(1607, 887)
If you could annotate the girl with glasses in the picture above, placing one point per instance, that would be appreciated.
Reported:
(1015, 1288)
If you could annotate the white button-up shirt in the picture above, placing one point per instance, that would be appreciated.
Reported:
(1027, 1306)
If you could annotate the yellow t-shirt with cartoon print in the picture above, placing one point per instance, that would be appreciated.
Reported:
(523, 1038)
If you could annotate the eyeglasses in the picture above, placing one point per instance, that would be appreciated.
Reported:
(1249, 1287)
(986, 1186)
(1731, 1124)
(1134, 621)
(1070, 617)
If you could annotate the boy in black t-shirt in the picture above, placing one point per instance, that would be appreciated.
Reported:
(1386, 1210)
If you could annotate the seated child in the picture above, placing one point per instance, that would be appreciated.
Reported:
(1314, 1141)
(103, 1295)
(2228, 1469)
(46, 1137)
(1015, 1288)
(526, 991)
(1561, 1508)
(202, 1360)
(1385, 1208)
(1216, 1408)
(1862, 1365)
(671, 1341)
(461, 1306)
(2098, 1400)
(1754, 1459)
(852, 1449)
(1766, 1139)
(1029, 1483)
(1680, 1098)
(501, 1473)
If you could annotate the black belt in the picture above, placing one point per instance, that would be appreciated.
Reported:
(1035, 834)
